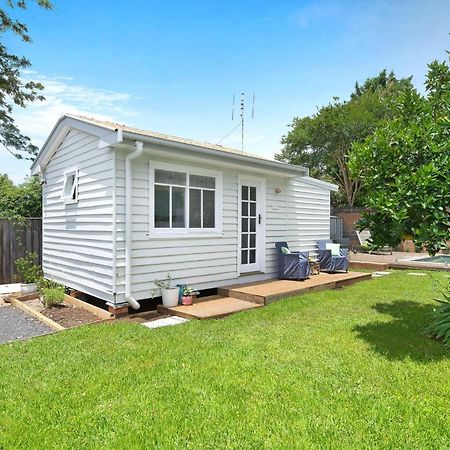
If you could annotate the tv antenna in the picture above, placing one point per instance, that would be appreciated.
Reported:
(241, 116)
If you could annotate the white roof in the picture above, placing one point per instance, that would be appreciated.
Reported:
(117, 133)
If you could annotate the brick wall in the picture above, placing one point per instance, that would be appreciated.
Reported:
(349, 218)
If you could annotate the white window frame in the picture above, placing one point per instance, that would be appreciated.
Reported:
(69, 199)
(186, 231)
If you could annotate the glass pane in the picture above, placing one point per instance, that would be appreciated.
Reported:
(68, 185)
(209, 211)
(253, 225)
(244, 240)
(252, 241)
(253, 209)
(195, 220)
(162, 206)
(201, 181)
(252, 193)
(244, 225)
(252, 256)
(167, 177)
(244, 192)
(244, 257)
(244, 208)
(178, 207)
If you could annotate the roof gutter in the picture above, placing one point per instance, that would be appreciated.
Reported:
(300, 170)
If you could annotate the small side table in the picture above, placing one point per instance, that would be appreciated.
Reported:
(315, 267)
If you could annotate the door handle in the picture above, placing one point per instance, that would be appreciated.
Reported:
(259, 219)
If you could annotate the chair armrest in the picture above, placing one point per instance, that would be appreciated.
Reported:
(323, 254)
(343, 252)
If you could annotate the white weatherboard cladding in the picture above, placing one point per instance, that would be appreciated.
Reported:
(78, 237)
(299, 214)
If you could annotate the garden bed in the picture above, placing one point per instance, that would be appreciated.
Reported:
(70, 313)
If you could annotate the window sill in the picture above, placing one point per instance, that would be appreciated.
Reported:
(193, 235)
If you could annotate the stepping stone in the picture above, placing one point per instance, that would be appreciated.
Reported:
(380, 274)
(416, 274)
(165, 322)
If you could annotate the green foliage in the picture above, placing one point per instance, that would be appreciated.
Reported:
(440, 317)
(14, 91)
(52, 296)
(27, 268)
(323, 141)
(22, 201)
(405, 167)
(339, 369)
(164, 284)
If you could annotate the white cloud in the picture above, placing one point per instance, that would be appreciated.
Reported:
(64, 95)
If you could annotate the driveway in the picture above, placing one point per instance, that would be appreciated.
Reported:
(16, 325)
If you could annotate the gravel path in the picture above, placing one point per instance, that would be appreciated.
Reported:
(16, 325)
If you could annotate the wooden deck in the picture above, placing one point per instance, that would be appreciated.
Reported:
(264, 293)
(237, 298)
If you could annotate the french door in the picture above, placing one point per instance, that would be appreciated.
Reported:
(251, 224)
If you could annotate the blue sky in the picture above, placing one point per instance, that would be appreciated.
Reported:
(173, 66)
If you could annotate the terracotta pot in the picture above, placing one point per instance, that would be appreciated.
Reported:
(186, 300)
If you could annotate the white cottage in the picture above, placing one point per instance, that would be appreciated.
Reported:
(123, 207)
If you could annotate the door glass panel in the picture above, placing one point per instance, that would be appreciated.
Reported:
(162, 206)
(178, 207)
(248, 230)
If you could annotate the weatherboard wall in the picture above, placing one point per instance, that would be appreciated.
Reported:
(298, 214)
(78, 238)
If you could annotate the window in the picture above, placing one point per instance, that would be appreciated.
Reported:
(185, 201)
(70, 187)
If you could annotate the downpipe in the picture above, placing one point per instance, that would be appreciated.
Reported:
(128, 221)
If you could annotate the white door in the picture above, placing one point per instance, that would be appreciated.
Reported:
(251, 224)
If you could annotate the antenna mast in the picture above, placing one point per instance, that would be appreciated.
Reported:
(242, 121)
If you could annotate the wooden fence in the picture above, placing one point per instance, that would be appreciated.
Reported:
(15, 241)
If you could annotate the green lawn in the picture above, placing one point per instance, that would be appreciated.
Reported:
(336, 369)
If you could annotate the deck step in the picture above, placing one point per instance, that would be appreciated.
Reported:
(209, 309)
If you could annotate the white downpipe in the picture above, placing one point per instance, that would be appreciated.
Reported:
(128, 221)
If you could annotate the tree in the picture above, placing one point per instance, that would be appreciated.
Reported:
(323, 141)
(13, 90)
(405, 166)
(22, 201)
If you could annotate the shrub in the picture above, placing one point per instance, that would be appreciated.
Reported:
(27, 268)
(52, 296)
(440, 318)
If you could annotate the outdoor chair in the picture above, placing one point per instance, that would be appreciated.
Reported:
(365, 244)
(292, 265)
(328, 261)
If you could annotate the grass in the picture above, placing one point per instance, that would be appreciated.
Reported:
(334, 369)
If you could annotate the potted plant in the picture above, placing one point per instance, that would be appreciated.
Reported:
(28, 272)
(188, 295)
(168, 293)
